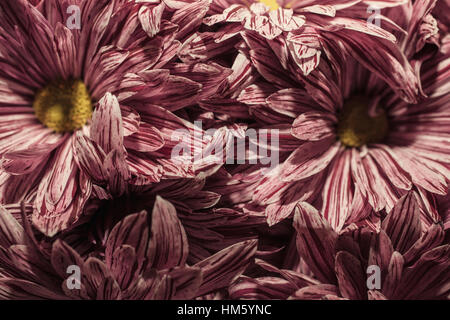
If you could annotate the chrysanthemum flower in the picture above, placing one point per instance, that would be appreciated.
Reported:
(299, 28)
(209, 227)
(144, 257)
(359, 141)
(412, 263)
(271, 18)
(89, 101)
(394, 66)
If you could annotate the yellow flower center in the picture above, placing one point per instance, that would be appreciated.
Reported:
(272, 4)
(356, 127)
(63, 106)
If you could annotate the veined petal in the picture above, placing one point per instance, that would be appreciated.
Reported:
(316, 242)
(220, 269)
(338, 193)
(106, 127)
(350, 276)
(402, 224)
(313, 126)
(168, 244)
(309, 159)
(146, 139)
(62, 193)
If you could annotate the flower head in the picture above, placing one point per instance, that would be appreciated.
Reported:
(89, 103)
(300, 28)
(412, 261)
(144, 257)
(359, 141)
(409, 262)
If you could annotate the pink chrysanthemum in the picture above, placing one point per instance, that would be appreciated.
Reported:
(90, 104)
(144, 257)
(300, 28)
(209, 227)
(412, 263)
(358, 141)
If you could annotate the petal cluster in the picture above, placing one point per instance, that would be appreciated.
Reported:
(224, 149)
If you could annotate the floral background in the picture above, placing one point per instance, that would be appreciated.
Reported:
(224, 149)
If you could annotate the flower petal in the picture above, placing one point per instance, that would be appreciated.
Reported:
(62, 193)
(316, 242)
(169, 246)
(107, 128)
(402, 224)
(337, 193)
(220, 269)
(146, 139)
(350, 276)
